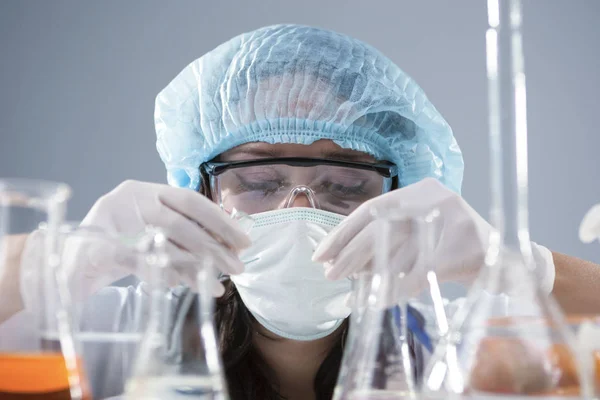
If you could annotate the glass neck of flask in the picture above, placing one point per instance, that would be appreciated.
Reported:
(508, 125)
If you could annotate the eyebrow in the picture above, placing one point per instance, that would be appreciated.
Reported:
(258, 152)
(346, 156)
(339, 155)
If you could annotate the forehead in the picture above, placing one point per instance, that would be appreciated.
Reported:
(320, 149)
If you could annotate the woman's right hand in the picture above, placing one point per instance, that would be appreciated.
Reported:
(193, 224)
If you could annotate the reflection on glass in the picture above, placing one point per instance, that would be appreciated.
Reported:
(43, 362)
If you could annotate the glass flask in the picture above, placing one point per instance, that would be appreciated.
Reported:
(430, 300)
(107, 278)
(585, 325)
(179, 355)
(383, 358)
(526, 349)
(587, 331)
(38, 356)
(361, 284)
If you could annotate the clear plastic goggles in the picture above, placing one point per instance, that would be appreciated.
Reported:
(268, 184)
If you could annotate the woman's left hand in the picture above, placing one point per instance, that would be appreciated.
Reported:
(461, 238)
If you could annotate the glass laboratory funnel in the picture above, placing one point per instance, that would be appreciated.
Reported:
(528, 349)
(384, 358)
(178, 356)
(38, 356)
(110, 314)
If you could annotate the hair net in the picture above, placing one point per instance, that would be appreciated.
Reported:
(298, 84)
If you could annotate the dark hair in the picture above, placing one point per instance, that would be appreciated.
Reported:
(248, 375)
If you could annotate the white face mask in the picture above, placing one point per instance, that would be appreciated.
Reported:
(283, 289)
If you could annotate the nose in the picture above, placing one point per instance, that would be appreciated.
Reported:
(301, 196)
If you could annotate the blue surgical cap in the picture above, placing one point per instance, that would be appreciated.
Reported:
(298, 84)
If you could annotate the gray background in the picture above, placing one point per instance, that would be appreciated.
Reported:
(78, 81)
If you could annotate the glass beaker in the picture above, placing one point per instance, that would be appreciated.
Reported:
(39, 359)
(179, 356)
(109, 314)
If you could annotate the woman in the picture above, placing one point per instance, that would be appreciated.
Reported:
(296, 117)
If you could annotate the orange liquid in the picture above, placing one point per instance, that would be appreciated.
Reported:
(60, 395)
(507, 366)
(569, 385)
(500, 369)
(35, 376)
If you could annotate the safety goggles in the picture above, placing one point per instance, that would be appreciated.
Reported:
(267, 184)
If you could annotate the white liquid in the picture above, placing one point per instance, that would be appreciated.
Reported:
(116, 337)
(376, 394)
(172, 387)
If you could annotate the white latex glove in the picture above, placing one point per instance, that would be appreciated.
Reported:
(589, 230)
(461, 240)
(192, 223)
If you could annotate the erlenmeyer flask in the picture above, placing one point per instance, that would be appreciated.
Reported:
(39, 359)
(178, 357)
(361, 285)
(382, 361)
(587, 330)
(528, 351)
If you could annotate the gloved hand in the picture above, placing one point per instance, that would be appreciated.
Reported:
(192, 223)
(589, 230)
(461, 240)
